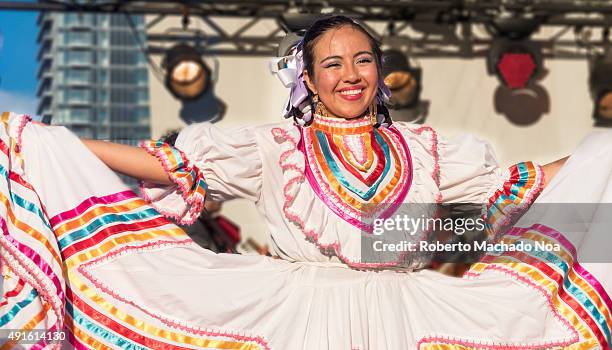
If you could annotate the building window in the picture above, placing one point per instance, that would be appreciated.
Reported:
(103, 39)
(78, 57)
(103, 77)
(78, 38)
(103, 20)
(123, 96)
(102, 116)
(124, 57)
(142, 77)
(61, 116)
(77, 76)
(123, 38)
(103, 59)
(142, 96)
(82, 131)
(80, 115)
(123, 76)
(78, 19)
(122, 115)
(142, 114)
(103, 96)
(77, 96)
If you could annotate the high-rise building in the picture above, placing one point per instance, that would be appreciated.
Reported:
(93, 76)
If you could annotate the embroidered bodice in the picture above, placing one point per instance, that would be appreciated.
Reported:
(358, 171)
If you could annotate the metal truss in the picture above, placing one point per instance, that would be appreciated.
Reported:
(434, 28)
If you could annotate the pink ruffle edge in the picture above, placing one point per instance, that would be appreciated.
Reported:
(510, 210)
(435, 175)
(191, 184)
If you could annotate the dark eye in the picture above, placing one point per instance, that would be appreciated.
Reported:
(329, 65)
(364, 60)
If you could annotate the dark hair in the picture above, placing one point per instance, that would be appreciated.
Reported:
(311, 37)
(170, 136)
(322, 26)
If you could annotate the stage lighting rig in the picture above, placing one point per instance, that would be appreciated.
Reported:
(187, 76)
(402, 79)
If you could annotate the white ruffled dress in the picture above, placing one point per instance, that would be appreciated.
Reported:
(160, 290)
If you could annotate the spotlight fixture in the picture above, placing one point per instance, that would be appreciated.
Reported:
(600, 84)
(515, 63)
(187, 76)
(403, 80)
(296, 22)
(514, 59)
(513, 27)
(288, 42)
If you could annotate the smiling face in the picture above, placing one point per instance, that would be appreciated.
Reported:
(345, 72)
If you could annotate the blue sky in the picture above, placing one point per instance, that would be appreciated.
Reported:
(18, 61)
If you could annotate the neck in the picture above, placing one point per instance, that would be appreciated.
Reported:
(342, 125)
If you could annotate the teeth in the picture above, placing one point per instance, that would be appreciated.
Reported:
(351, 92)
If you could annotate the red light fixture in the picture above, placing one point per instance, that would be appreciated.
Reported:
(513, 58)
(516, 69)
(516, 63)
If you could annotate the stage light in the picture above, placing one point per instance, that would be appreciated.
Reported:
(600, 83)
(516, 63)
(514, 59)
(604, 106)
(288, 42)
(403, 80)
(187, 76)
(296, 22)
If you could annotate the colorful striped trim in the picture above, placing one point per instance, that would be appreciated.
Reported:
(333, 170)
(188, 177)
(440, 342)
(110, 222)
(13, 292)
(177, 324)
(328, 186)
(93, 231)
(118, 224)
(342, 126)
(37, 263)
(342, 156)
(576, 297)
(524, 183)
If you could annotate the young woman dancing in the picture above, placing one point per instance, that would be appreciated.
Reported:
(84, 254)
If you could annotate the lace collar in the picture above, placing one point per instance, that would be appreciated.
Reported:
(341, 126)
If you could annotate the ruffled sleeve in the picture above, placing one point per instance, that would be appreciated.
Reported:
(522, 183)
(469, 173)
(205, 161)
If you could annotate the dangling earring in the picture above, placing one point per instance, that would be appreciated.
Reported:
(372, 112)
(319, 106)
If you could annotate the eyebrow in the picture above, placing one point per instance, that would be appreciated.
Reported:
(355, 55)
